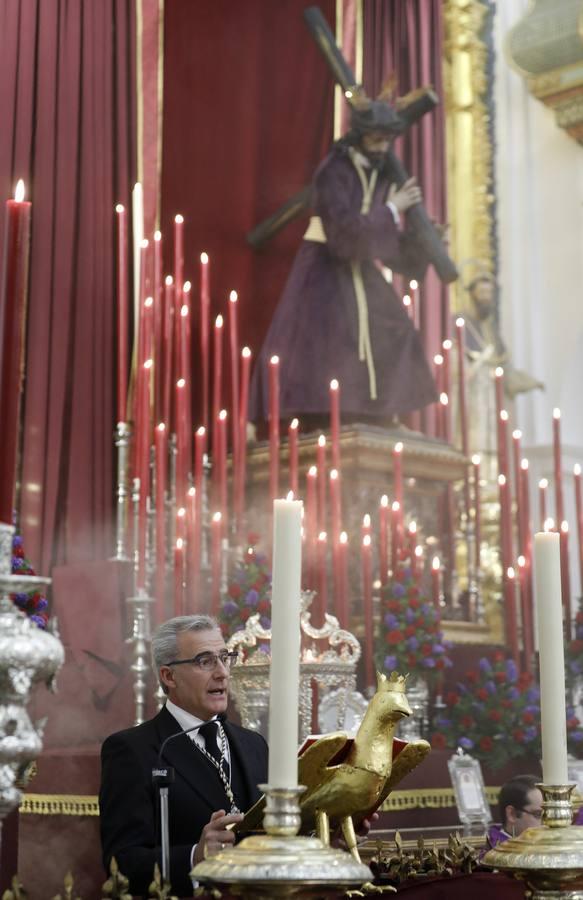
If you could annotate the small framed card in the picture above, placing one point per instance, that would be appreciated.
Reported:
(468, 787)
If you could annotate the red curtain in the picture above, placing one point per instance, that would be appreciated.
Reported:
(248, 108)
(404, 38)
(66, 105)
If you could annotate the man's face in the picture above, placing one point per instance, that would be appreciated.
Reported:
(483, 297)
(375, 145)
(528, 816)
(203, 694)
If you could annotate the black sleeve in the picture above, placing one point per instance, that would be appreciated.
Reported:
(129, 822)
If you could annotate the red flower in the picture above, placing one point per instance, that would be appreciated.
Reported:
(393, 606)
(506, 704)
(494, 715)
(234, 591)
(482, 694)
(410, 630)
(438, 741)
(452, 699)
(263, 606)
(413, 593)
(573, 722)
(253, 538)
(439, 663)
(466, 721)
(411, 660)
(486, 743)
(426, 649)
(245, 613)
(394, 637)
(518, 734)
(472, 677)
(414, 604)
(399, 575)
(498, 656)
(500, 677)
(527, 718)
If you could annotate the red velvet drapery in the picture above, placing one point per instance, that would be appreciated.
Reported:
(66, 106)
(404, 38)
(248, 107)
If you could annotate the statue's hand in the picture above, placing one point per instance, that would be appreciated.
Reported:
(406, 196)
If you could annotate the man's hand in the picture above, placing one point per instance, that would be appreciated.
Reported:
(215, 836)
(406, 196)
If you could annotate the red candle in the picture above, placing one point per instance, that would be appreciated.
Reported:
(460, 341)
(395, 534)
(579, 514)
(178, 256)
(311, 525)
(216, 553)
(273, 427)
(477, 511)
(205, 305)
(161, 462)
(143, 469)
(293, 452)
(558, 468)
(221, 467)
(412, 529)
(13, 297)
(167, 345)
(384, 539)
(542, 503)
(446, 353)
(335, 422)
(181, 441)
(366, 560)
(408, 304)
(342, 601)
(234, 347)
(505, 522)
(414, 289)
(199, 459)
(436, 584)
(158, 322)
(525, 547)
(398, 476)
(445, 417)
(503, 467)
(438, 376)
(241, 469)
(499, 389)
(321, 467)
(185, 364)
(322, 594)
(122, 312)
(526, 614)
(510, 613)
(516, 436)
(218, 370)
(191, 567)
(179, 577)
(565, 577)
(366, 527)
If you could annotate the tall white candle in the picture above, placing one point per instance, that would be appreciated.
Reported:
(549, 608)
(285, 643)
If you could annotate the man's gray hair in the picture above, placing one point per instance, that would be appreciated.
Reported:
(164, 639)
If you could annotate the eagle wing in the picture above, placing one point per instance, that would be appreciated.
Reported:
(408, 759)
(318, 756)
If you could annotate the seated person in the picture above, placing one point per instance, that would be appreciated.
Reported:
(216, 773)
(520, 804)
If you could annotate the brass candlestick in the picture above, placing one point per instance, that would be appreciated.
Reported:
(280, 863)
(548, 859)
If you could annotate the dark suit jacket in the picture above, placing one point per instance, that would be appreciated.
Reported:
(128, 801)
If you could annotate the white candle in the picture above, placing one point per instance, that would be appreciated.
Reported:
(549, 608)
(285, 643)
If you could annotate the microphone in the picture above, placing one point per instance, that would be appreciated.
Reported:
(164, 775)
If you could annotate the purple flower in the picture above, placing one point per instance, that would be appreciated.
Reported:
(264, 648)
(252, 598)
(391, 621)
(530, 733)
(485, 666)
(17, 541)
(442, 722)
(230, 608)
(576, 736)
(511, 670)
(398, 590)
(466, 743)
(409, 616)
(42, 603)
(38, 620)
(437, 648)
(390, 663)
(412, 643)
(533, 695)
(490, 687)
(426, 610)
(513, 693)
(428, 662)
(265, 621)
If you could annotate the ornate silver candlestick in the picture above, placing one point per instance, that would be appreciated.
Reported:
(548, 859)
(27, 655)
(122, 442)
(280, 863)
(140, 606)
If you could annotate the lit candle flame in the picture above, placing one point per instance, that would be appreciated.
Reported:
(516, 434)
(119, 208)
(274, 361)
(294, 424)
(186, 287)
(322, 440)
(524, 464)
(179, 219)
(556, 413)
(312, 471)
(395, 506)
(233, 297)
(576, 469)
(366, 541)
(399, 447)
(201, 430)
(157, 236)
(334, 385)
(343, 538)
(19, 191)
(246, 352)
(169, 280)
(476, 459)
(366, 521)
(204, 259)
(460, 322)
(447, 345)
(384, 500)
(435, 564)
(219, 321)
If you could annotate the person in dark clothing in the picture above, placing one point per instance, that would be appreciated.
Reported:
(520, 803)
(339, 317)
(217, 769)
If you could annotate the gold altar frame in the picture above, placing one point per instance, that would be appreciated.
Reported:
(469, 150)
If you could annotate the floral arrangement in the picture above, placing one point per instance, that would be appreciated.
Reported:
(411, 639)
(249, 592)
(33, 603)
(495, 715)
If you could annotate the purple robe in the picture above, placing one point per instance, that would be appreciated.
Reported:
(314, 330)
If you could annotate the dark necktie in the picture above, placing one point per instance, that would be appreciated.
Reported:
(209, 732)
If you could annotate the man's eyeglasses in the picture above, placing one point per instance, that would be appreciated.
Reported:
(535, 813)
(208, 661)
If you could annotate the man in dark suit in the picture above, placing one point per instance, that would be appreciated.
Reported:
(217, 768)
